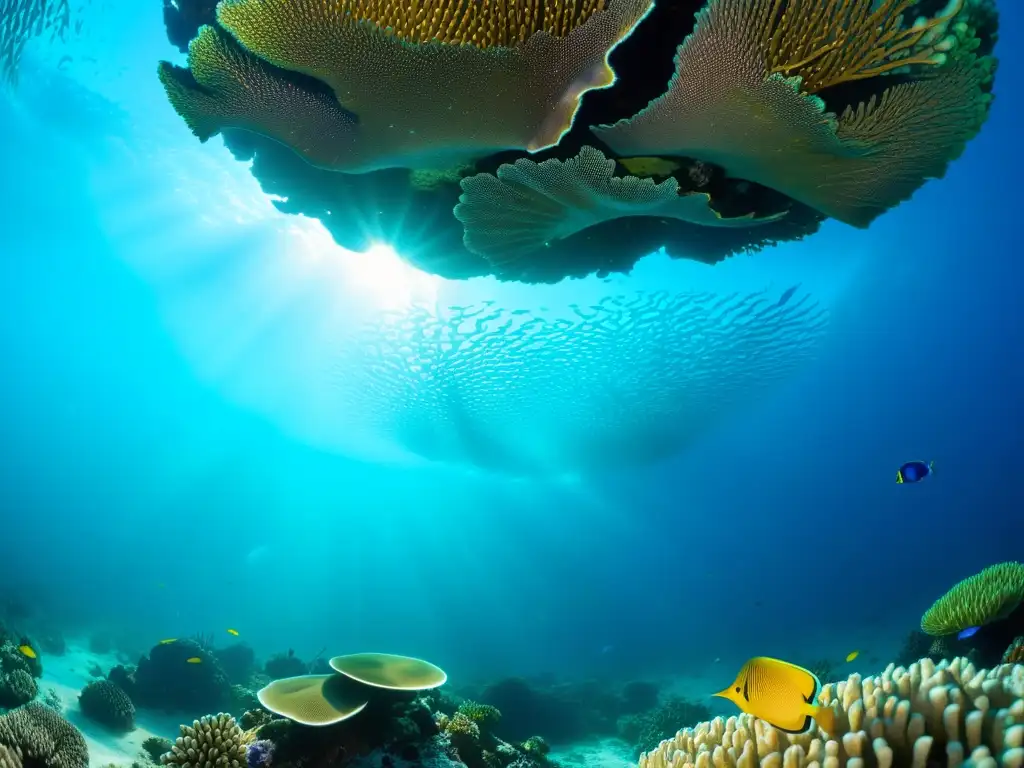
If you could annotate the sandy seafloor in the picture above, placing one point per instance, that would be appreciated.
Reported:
(67, 675)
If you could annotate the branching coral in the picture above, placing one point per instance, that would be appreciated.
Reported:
(105, 703)
(980, 599)
(214, 741)
(743, 98)
(521, 209)
(902, 717)
(42, 737)
(431, 85)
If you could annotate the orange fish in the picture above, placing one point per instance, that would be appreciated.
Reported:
(781, 694)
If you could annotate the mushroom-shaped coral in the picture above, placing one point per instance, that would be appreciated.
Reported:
(980, 599)
(41, 737)
(315, 699)
(430, 85)
(213, 741)
(16, 688)
(943, 712)
(389, 670)
(525, 206)
(104, 702)
(745, 96)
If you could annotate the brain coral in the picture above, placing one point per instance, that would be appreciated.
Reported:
(105, 702)
(627, 380)
(213, 741)
(43, 738)
(743, 97)
(16, 688)
(980, 599)
(903, 717)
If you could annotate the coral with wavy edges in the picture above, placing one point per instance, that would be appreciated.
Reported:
(432, 84)
(213, 741)
(980, 599)
(743, 97)
(104, 702)
(903, 717)
(519, 211)
(41, 736)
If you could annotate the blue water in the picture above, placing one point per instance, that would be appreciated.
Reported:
(173, 463)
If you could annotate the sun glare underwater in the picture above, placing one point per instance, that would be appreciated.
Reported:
(534, 384)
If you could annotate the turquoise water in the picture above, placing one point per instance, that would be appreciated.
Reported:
(214, 417)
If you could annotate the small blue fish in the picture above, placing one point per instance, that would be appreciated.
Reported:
(914, 471)
(963, 634)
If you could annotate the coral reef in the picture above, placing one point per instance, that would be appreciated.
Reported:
(42, 738)
(11, 657)
(560, 138)
(155, 747)
(1014, 654)
(16, 688)
(259, 754)
(285, 665)
(238, 661)
(166, 680)
(9, 758)
(905, 716)
(212, 740)
(981, 599)
(646, 730)
(106, 703)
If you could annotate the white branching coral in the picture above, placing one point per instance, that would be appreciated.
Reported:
(948, 714)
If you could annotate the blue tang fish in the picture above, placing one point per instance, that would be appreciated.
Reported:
(914, 471)
(963, 634)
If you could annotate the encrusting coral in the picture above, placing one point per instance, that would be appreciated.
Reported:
(41, 737)
(511, 80)
(913, 716)
(980, 599)
(745, 97)
(213, 741)
(106, 703)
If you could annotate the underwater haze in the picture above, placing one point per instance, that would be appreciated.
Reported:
(213, 416)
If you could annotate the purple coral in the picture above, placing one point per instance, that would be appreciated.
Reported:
(260, 754)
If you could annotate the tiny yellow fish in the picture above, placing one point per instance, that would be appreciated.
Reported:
(194, 660)
(852, 655)
(233, 632)
(649, 166)
(781, 694)
(168, 641)
(28, 651)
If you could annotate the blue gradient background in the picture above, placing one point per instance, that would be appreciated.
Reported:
(781, 533)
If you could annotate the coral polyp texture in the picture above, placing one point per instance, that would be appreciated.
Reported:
(213, 741)
(106, 703)
(39, 736)
(546, 139)
(949, 714)
(744, 97)
(988, 596)
(510, 80)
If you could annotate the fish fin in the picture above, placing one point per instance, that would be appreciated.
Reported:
(825, 717)
(899, 476)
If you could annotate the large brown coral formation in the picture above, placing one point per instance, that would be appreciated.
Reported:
(742, 97)
(213, 741)
(946, 711)
(41, 737)
(980, 599)
(431, 84)
(525, 206)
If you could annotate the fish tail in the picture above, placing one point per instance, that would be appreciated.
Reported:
(931, 466)
(825, 717)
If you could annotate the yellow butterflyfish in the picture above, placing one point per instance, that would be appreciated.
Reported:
(194, 660)
(852, 655)
(27, 650)
(233, 632)
(781, 694)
